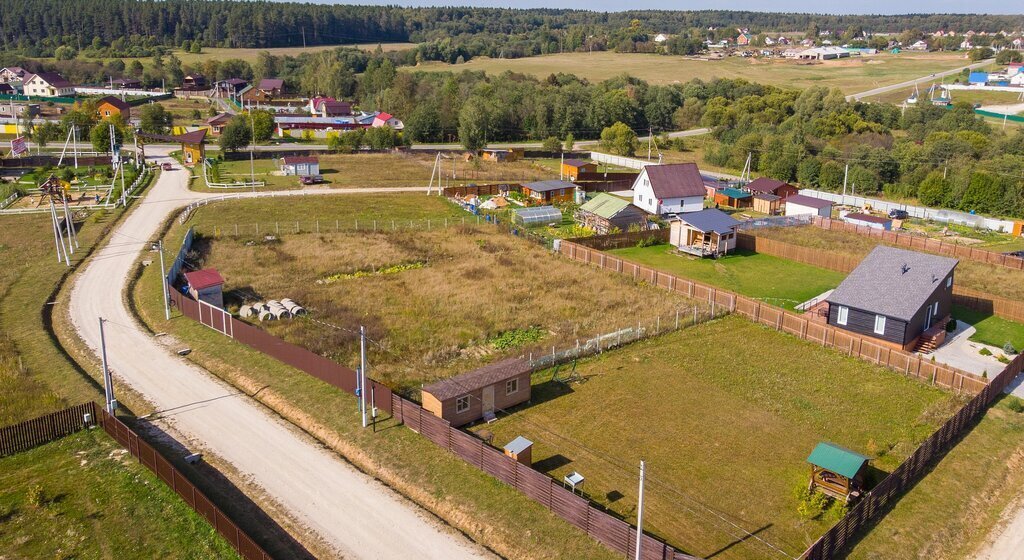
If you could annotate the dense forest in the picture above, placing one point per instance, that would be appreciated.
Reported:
(39, 27)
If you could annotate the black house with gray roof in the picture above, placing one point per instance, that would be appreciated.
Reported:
(894, 295)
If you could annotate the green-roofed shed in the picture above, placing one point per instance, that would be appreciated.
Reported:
(606, 212)
(837, 471)
(734, 198)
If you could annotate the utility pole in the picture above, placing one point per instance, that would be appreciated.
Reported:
(303, 37)
(252, 147)
(846, 175)
(108, 383)
(362, 373)
(163, 280)
(640, 514)
(72, 235)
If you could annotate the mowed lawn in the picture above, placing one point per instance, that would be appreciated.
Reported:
(96, 501)
(770, 279)
(991, 330)
(724, 414)
(850, 75)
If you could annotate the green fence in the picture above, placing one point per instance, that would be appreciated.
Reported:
(1001, 116)
(10, 97)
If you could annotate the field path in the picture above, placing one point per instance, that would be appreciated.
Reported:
(336, 506)
(1007, 541)
(921, 80)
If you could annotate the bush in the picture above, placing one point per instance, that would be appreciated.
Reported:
(951, 325)
(1015, 404)
(810, 504)
(985, 352)
(1009, 349)
(646, 242)
(836, 511)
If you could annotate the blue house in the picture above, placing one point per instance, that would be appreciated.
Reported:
(978, 78)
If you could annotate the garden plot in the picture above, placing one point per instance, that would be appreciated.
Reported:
(435, 302)
(724, 414)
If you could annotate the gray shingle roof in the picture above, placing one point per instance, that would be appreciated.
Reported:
(478, 378)
(808, 201)
(676, 180)
(549, 185)
(893, 282)
(710, 219)
(764, 185)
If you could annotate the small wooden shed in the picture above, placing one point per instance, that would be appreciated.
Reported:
(767, 203)
(605, 212)
(836, 471)
(521, 450)
(552, 190)
(479, 393)
(502, 155)
(571, 168)
(733, 198)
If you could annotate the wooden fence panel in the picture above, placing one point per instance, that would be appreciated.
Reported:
(611, 531)
(44, 429)
(468, 447)
(496, 464)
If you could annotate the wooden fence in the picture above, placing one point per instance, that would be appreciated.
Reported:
(1012, 310)
(616, 534)
(624, 239)
(798, 325)
(482, 190)
(171, 476)
(926, 244)
(44, 429)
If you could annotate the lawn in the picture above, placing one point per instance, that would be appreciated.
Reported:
(391, 170)
(183, 110)
(724, 415)
(991, 279)
(949, 514)
(434, 301)
(96, 501)
(770, 279)
(992, 330)
(850, 75)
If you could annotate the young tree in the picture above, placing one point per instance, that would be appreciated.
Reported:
(100, 135)
(620, 139)
(46, 132)
(570, 142)
(551, 144)
(236, 134)
(154, 119)
(474, 123)
(262, 125)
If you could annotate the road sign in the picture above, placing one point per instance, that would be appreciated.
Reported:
(18, 146)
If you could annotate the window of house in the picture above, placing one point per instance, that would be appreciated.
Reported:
(879, 324)
(511, 386)
(949, 282)
(935, 310)
(462, 404)
(842, 314)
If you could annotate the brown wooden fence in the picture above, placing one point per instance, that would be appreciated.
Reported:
(926, 244)
(798, 325)
(482, 190)
(296, 356)
(165, 471)
(44, 429)
(607, 529)
(624, 239)
(1012, 310)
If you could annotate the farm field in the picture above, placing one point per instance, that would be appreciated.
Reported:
(850, 75)
(951, 511)
(183, 110)
(250, 55)
(390, 170)
(770, 279)
(96, 501)
(436, 302)
(724, 414)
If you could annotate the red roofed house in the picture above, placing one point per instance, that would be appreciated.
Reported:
(669, 189)
(329, 107)
(386, 119)
(206, 285)
(300, 165)
(764, 185)
(109, 106)
(13, 74)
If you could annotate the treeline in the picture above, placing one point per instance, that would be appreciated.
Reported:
(39, 27)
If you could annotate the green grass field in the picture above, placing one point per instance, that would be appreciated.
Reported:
(950, 513)
(95, 501)
(992, 330)
(850, 75)
(249, 55)
(724, 414)
(770, 279)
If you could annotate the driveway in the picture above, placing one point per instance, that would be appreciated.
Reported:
(352, 513)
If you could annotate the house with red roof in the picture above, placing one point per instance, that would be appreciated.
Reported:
(673, 188)
(386, 119)
(206, 285)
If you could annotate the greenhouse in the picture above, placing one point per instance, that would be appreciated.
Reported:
(537, 216)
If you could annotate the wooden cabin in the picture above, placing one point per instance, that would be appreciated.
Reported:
(479, 393)
(546, 192)
(571, 168)
(765, 185)
(837, 471)
(502, 154)
(769, 204)
(606, 212)
(708, 233)
(193, 144)
(733, 198)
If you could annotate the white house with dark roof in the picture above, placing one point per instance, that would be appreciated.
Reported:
(669, 189)
(898, 296)
(48, 84)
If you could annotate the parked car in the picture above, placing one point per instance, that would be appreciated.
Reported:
(898, 214)
(166, 166)
(311, 179)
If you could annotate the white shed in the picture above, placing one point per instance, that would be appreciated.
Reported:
(800, 205)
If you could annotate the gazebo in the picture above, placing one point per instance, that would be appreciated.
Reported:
(837, 471)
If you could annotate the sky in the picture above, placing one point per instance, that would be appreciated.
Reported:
(828, 6)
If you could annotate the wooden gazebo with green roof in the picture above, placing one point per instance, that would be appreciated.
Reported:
(734, 198)
(837, 471)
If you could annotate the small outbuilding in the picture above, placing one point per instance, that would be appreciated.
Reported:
(605, 212)
(550, 191)
(502, 154)
(837, 471)
(300, 165)
(206, 285)
(868, 220)
(733, 198)
(571, 168)
(708, 233)
(799, 205)
(766, 185)
(478, 393)
(521, 450)
(767, 203)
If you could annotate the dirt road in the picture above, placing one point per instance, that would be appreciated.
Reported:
(1007, 541)
(350, 512)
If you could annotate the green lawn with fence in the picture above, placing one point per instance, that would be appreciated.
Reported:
(991, 330)
(770, 279)
(724, 414)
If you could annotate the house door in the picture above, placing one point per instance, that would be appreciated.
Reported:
(928, 317)
(488, 399)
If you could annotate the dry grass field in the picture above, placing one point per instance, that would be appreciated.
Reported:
(436, 302)
(850, 75)
(724, 414)
(249, 55)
